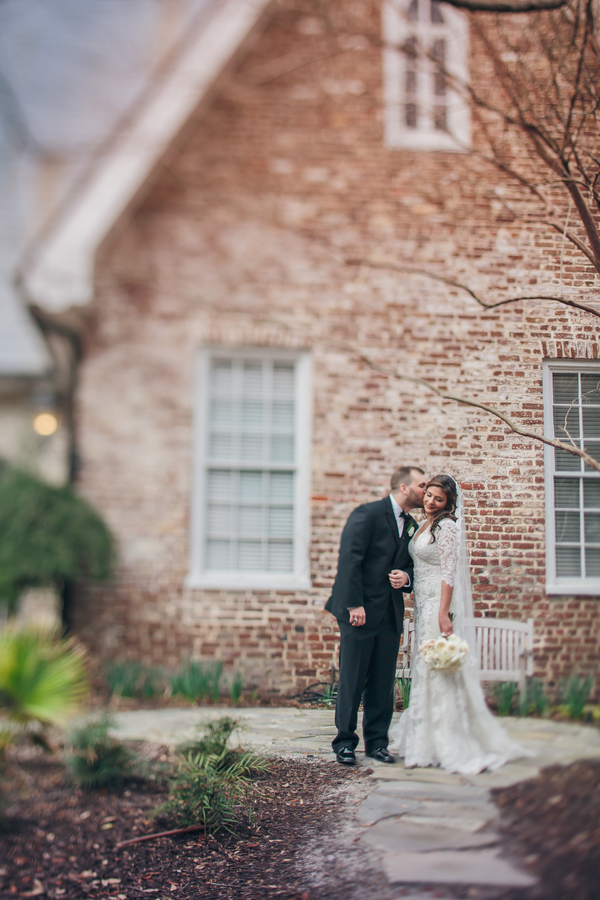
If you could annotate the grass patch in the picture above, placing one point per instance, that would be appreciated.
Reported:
(573, 694)
(127, 678)
(197, 681)
(404, 684)
(504, 693)
(236, 687)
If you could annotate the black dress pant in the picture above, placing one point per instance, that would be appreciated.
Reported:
(368, 660)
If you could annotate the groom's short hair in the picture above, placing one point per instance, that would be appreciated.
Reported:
(403, 475)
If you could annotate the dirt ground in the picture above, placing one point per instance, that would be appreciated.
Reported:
(60, 842)
(552, 822)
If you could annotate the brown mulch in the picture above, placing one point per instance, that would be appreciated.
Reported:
(59, 842)
(553, 823)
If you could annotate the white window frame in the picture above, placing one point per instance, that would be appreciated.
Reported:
(299, 579)
(563, 586)
(396, 30)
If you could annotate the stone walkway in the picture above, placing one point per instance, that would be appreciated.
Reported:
(422, 826)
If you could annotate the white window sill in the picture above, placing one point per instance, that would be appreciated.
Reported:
(589, 587)
(247, 581)
(400, 139)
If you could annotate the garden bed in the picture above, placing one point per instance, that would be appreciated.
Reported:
(553, 823)
(60, 842)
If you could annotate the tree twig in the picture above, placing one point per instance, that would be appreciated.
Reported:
(506, 6)
(160, 834)
(399, 267)
(514, 426)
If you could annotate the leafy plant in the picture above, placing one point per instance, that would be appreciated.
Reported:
(236, 687)
(537, 697)
(206, 792)
(212, 741)
(574, 693)
(329, 696)
(198, 682)
(214, 782)
(48, 536)
(42, 679)
(504, 692)
(97, 759)
(127, 678)
(404, 683)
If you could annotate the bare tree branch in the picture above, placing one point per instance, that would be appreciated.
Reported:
(514, 426)
(451, 282)
(506, 6)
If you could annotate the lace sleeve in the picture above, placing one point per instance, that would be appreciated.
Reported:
(447, 538)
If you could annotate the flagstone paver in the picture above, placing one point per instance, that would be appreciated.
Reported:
(422, 826)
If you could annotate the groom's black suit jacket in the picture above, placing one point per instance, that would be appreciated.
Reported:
(370, 548)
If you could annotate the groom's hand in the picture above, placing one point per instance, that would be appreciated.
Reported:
(357, 615)
(398, 578)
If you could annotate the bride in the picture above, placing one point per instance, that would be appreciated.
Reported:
(447, 723)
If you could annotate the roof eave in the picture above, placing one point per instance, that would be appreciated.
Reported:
(58, 272)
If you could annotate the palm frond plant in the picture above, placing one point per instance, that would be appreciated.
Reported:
(211, 791)
(97, 759)
(212, 741)
(42, 678)
(49, 537)
(213, 786)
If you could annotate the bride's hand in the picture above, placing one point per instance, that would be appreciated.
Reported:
(445, 623)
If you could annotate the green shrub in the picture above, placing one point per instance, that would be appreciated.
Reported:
(537, 697)
(236, 687)
(127, 678)
(574, 693)
(197, 681)
(97, 759)
(42, 679)
(213, 786)
(404, 684)
(504, 692)
(48, 536)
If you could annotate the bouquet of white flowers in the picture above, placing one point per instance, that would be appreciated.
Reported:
(447, 654)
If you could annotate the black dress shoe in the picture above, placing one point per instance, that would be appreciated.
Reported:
(345, 756)
(382, 755)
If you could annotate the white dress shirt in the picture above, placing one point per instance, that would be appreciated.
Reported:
(399, 519)
(398, 513)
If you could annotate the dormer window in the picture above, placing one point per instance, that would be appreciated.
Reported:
(425, 58)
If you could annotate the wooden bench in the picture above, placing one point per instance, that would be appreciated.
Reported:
(504, 649)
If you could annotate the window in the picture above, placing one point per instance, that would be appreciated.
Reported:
(572, 413)
(424, 43)
(250, 506)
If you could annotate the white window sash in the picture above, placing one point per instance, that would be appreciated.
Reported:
(557, 585)
(396, 29)
(299, 578)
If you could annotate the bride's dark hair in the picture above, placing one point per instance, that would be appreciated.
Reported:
(448, 485)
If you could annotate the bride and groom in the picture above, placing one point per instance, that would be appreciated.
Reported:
(385, 554)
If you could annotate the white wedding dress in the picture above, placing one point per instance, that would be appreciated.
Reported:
(447, 722)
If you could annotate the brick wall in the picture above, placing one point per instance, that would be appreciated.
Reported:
(243, 241)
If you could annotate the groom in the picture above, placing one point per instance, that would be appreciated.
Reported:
(370, 612)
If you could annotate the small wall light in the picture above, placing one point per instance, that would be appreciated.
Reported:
(45, 424)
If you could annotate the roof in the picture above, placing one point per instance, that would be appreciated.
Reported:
(57, 269)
